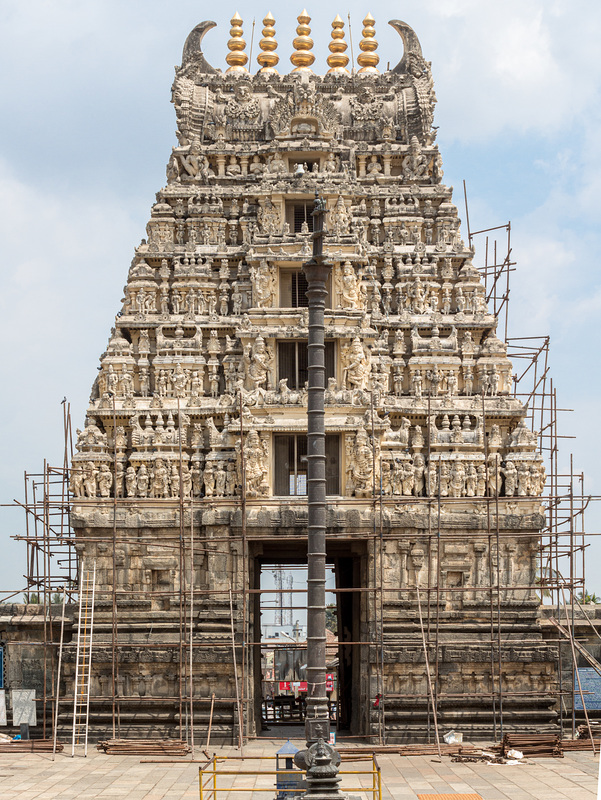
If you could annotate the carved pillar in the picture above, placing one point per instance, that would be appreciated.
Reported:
(317, 719)
(404, 548)
(479, 568)
(319, 759)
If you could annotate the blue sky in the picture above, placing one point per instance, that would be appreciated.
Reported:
(87, 128)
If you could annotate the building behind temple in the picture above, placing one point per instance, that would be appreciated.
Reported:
(189, 480)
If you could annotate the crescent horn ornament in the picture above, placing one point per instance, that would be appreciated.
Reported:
(193, 46)
(410, 42)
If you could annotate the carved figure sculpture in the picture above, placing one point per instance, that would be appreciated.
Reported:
(160, 480)
(256, 364)
(340, 218)
(236, 299)
(209, 480)
(179, 380)
(457, 482)
(105, 480)
(444, 478)
(263, 281)
(330, 164)
(131, 483)
(510, 472)
(361, 466)
(523, 479)
(471, 480)
(356, 369)
(350, 296)
(407, 479)
(220, 479)
(495, 476)
(374, 167)
(90, 479)
(277, 164)
(256, 167)
(231, 480)
(432, 479)
(255, 455)
(143, 481)
(417, 384)
(269, 218)
(419, 470)
(76, 478)
(415, 164)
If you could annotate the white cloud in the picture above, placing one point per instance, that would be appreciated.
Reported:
(511, 69)
(96, 76)
(55, 246)
(65, 258)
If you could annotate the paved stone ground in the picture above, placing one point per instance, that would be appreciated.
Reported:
(36, 777)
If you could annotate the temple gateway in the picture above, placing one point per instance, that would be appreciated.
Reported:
(189, 479)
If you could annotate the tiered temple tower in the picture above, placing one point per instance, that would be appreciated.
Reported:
(195, 437)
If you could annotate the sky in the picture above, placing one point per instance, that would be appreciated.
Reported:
(87, 129)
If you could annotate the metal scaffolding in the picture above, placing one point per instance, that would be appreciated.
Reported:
(53, 566)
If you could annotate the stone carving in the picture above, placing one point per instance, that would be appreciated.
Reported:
(256, 167)
(76, 478)
(331, 164)
(242, 106)
(302, 111)
(360, 466)
(131, 482)
(365, 107)
(159, 480)
(356, 366)
(340, 218)
(263, 281)
(105, 480)
(415, 165)
(90, 477)
(269, 218)
(276, 164)
(196, 355)
(91, 438)
(351, 295)
(193, 165)
(256, 455)
(143, 481)
(256, 364)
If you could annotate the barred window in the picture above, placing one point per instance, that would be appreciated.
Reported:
(291, 464)
(293, 289)
(297, 213)
(293, 362)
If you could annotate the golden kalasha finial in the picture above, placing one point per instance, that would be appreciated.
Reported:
(268, 58)
(368, 58)
(302, 58)
(338, 60)
(236, 58)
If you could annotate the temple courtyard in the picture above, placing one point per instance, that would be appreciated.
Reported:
(33, 776)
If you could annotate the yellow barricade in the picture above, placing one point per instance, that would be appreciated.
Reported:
(211, 778)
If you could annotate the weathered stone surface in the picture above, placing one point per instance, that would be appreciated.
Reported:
(198, 386)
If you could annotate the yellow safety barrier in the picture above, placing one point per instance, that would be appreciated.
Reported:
(209, 774)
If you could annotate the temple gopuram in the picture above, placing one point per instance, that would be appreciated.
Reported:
(189, 477)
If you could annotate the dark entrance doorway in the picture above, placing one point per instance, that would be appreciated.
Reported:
(279, 625)
(348, 609)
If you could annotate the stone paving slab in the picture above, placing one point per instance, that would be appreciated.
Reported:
(29, 776)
